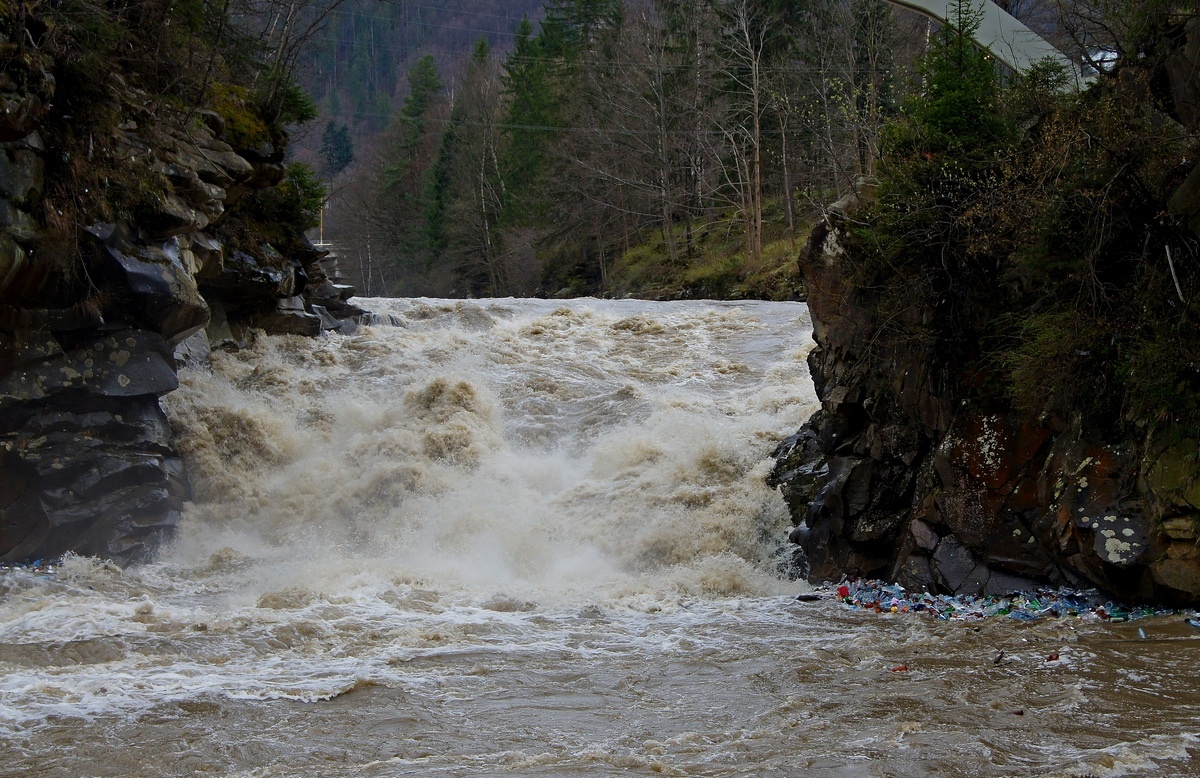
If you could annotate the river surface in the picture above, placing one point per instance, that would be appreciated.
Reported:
(520, 537)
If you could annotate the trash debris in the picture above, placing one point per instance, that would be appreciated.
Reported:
(1053, 657)
(882, 597)
(900, 669)
(39, 567)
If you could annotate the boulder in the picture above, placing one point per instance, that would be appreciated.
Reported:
(170, 215)
(17, 222)
(162, 293)
(13, 259)
(288, 322)
(22, 174)
(213, 164)
(330, 322)
(21, 113)
(247, 279)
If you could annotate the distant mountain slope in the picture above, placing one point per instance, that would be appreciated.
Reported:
(357, 66)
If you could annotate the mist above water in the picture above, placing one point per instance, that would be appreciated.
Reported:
(529, 446)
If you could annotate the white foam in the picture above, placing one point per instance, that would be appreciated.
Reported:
(463, 486)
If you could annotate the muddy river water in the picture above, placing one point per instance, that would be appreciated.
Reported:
(521, 537)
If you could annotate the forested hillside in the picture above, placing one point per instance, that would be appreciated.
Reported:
(658, 147)
(355, 66)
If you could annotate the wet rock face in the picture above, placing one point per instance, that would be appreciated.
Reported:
(897, 478)
(86, 459)
(92, 324)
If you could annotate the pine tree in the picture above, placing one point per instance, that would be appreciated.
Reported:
(417, 131)
(570, 26)
(533, 114)
(337, 150)
(471, 192)
(958, 107)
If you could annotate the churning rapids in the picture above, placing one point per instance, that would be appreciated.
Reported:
(530, 538)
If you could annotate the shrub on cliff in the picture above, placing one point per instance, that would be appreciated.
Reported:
(124, 84)
(1091, 185)
(930, 235)
(278, 214)
(1023, 235)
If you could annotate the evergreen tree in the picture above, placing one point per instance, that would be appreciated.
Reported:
(469, 194)
(570, 26)
(958, 108)
(532, 117)
(337, 150)
(416, 134)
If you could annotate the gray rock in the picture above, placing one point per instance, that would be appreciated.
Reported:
(20, 114)
(915, 574)
(923, 535)
(1120, 540)
(16, 222)
(956, 569)
(193, 350)
(22, 175)
(12, 261)
(103, 481)
(164, 294)
(214, 121)
(246, 279)
(209, 253)
(125, 363)
(1000, 583)
(288, 322)
(218, 167)
(331, 323)
(170, 215)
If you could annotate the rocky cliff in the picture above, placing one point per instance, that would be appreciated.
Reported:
(132, 233)
(925, 465)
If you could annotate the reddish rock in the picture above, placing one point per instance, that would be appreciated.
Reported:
(898, 478)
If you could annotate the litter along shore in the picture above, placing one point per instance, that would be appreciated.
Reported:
(888, 598)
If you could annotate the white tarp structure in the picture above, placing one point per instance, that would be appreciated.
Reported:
(1007, 39)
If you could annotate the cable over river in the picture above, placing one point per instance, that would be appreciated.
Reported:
(523, 537)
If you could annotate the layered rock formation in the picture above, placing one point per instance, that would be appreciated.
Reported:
(907, 474)
(116, 246)
(898, 477)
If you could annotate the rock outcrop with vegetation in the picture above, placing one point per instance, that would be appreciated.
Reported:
(144, 204)
(1008, 345)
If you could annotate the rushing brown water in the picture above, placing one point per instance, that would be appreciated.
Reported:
(531, 538)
